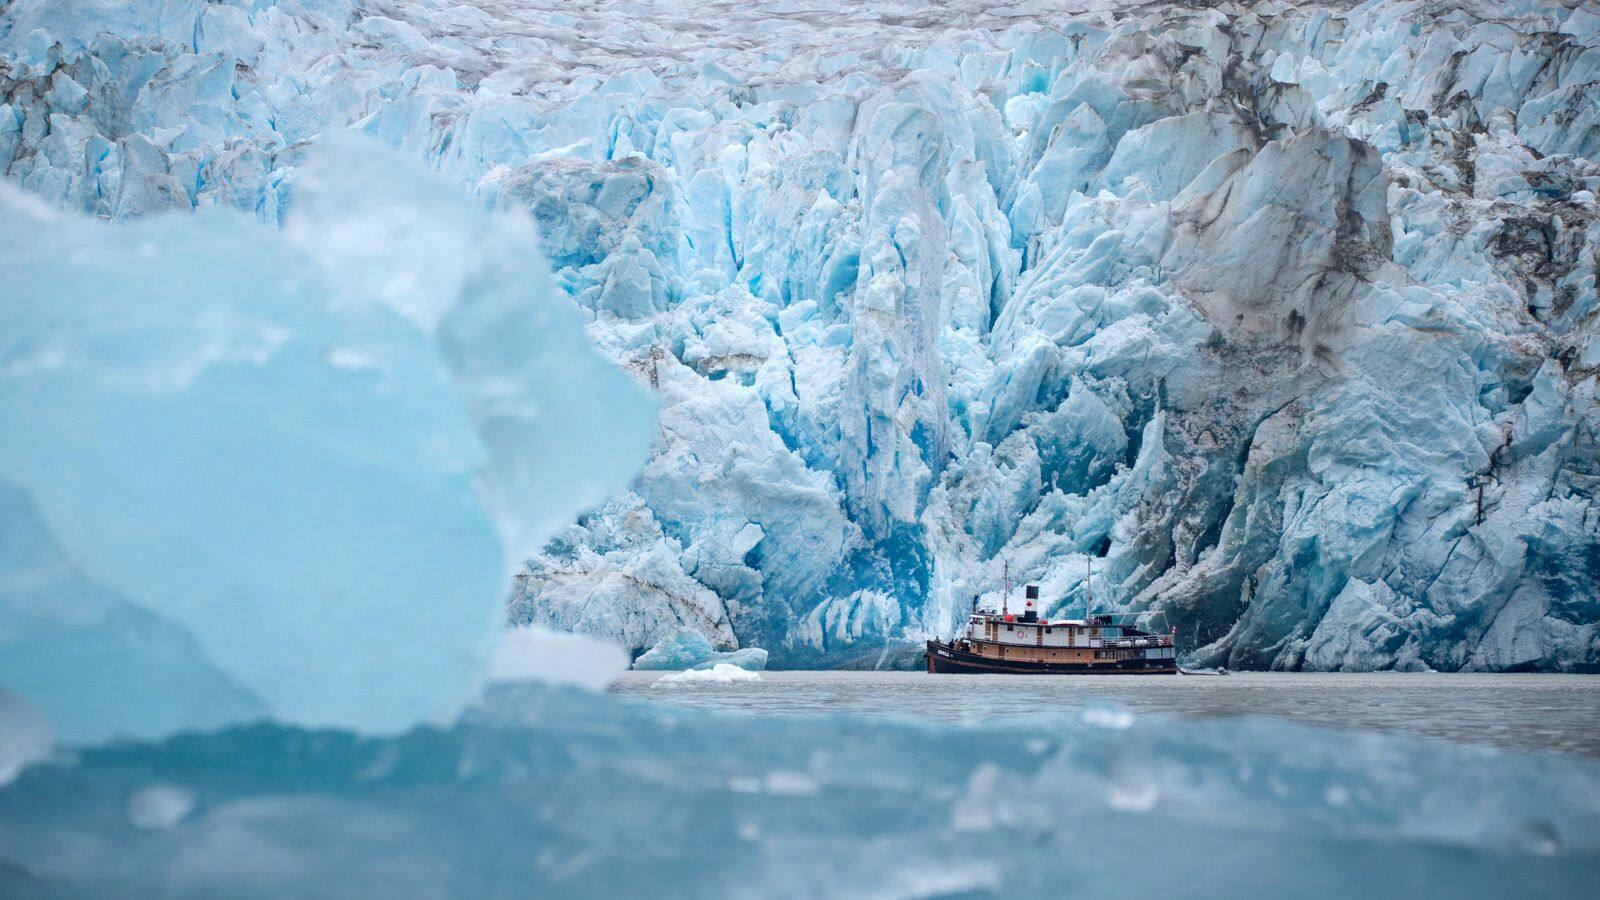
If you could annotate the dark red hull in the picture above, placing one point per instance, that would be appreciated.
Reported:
(945, 659)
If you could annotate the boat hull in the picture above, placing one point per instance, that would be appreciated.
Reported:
(945, 659)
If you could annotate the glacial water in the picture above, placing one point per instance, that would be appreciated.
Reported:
(1555, 713)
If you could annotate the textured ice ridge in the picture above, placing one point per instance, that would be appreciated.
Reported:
(562, 793)
(1283, 315)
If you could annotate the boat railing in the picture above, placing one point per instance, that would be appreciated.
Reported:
(1154, 640)
(1140, 643)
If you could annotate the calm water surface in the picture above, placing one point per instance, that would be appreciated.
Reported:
(1559, 713)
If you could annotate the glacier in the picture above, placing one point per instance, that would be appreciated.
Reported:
(1282, 317)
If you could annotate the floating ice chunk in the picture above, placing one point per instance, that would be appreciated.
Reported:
(722, 673)
(687, 648)
(560, 426)
(532, 653)
(683, 649)
(753, 659)
(170, 408)
(98, 665)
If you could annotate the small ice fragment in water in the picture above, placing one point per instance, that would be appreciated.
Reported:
(721, 672)
(160, 807)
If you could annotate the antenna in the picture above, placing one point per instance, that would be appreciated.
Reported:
(1088, 588)
(1005, 595)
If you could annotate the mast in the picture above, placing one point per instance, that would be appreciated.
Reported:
(1005, 590)
(1088, 588)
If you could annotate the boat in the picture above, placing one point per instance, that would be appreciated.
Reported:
(1026, 644)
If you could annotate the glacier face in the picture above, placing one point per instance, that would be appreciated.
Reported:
(1284, 318)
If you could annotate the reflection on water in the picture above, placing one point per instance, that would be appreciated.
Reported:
(1558, 713)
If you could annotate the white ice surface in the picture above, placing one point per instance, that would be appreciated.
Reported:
(721, 673)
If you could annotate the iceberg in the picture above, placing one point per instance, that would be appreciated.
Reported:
(100, 664)
(1284, 315)
(683, 649)
(251, 472)
(687, 648)
(752, 659)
